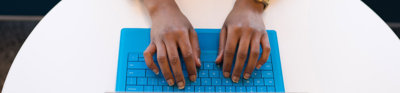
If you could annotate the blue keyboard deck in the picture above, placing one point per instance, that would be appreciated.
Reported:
(135, 76)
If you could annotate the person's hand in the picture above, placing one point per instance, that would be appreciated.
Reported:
(244, 27)
(171, 31)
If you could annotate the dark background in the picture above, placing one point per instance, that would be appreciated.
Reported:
(13, 32)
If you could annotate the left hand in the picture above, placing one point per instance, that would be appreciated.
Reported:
(244, 27)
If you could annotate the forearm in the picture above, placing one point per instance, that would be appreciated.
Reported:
(156, 7)
(251, 5)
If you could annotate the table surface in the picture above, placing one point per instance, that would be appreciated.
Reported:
(326, 46)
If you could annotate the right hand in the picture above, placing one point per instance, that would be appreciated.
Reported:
(171, 31)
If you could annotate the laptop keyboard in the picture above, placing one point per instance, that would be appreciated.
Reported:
(210, 79)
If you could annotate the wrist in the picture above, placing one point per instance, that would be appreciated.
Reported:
(156, 7)
(250, 5)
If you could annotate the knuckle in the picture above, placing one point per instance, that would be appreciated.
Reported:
(254, 52)
(146, 53)
(267, 48)
(187, 54)
(229, 52)
(242, 55)
(174, 60)
(178, 75)
(161, 58)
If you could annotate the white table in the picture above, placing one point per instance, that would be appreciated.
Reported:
(326, 46)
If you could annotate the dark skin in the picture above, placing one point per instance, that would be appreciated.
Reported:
(171, 30)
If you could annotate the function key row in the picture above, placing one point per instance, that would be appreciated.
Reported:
(201, 89)
(201, 73)
(203, 81)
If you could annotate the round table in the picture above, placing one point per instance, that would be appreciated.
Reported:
(326, 46)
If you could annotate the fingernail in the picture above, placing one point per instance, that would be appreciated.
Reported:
(235, 79)
(193, 78)
(156, 71)
(198, 59)
(258, 66)
(170, 82)
(246, 76)
(226, 74)
(181, 85)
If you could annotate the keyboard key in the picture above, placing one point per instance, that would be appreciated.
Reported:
(141, 81)
(209, 89)
(258, 81)
(131, 81)
(267, 74)
(136, 73)
(178, 90)
(148, 88)
(240, 83)
(219, 88)
(157, 88)
(271, 89)
(161, 81)
(205, 81)
(251, 89)
(199, 89)
(256, 74)
(266, 66)
(189, 89)
(167, 89)
(152, 81)
(187, 82)
(248, 82)
(240, 89)
(203, 73)
(140, 55)
(230, 89)
(226, 81)
(141, 59)
(133, 57)
(261, 89)
(134, 88)
(208, 65)
(197, 82)
(150, 73)
(269, 81)
(137, 65)
(214, 73)
(216, 81)
(217, 66)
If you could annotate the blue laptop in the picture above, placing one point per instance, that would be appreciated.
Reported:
(134, 76)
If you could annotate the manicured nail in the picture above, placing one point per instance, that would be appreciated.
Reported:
(181, 85)
(170, 82)
(156, 71)
(235, 79)
(246, 76)
(226, 74)
(258, 66)
(192, 78)
(198, 59)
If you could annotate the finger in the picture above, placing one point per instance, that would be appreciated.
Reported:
(175, 64)
(266, 49)
(229, 52)
(148, 57)
(253, 56)
(241, 57)
(188, 56)
(222, 39)
(194, 41)
(163, 63)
